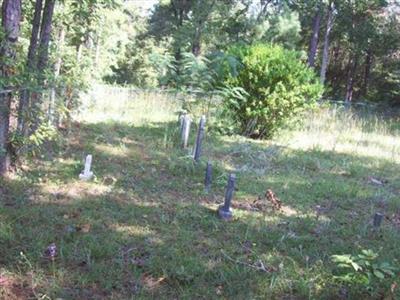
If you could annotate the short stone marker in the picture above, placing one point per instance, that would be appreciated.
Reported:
(87, 173)
(199, 139)
(185, 130)
(225, 211)
(378, 217)
(208, 177)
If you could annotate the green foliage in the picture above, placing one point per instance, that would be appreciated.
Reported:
(30, 145)
(283, 28)
(271, 86)
(362, 268)
(164, 65)
(194, 73)
(44, 133)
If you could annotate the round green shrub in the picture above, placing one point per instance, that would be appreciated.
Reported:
(267, 87)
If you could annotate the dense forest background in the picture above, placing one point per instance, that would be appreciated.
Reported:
(52, 50)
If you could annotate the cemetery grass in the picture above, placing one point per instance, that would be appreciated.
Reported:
(145, 229)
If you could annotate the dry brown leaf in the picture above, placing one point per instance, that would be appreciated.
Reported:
(151, 282)
(275, 201)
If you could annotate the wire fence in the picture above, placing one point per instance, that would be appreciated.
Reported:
(137, 105)
(134, 105)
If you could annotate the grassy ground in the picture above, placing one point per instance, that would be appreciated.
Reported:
(144, 228)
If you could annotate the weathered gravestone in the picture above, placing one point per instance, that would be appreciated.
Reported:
(225, 211)
(378, 217)
(185, 130)
(87, 173)
(199, 139)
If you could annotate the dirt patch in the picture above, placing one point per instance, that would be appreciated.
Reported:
(267, 202)
(12, 288)
(395, 220)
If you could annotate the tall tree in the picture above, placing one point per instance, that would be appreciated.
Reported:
(367, 72)
(315, 36)
(187, 23)
(45, 35)
(31, 65)
(325, 53)
(11, 16)
(353, 63)
(201, 16)
(42, 58)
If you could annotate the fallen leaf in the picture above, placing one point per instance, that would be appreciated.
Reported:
(275, 201)
(151, 282)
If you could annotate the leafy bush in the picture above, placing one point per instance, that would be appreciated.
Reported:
(269, 86)
(362, 269)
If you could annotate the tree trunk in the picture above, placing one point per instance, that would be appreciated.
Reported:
(31, 62)
(202, 19)
(45, 35)
(179, 9)
(43, 57)
(336, 65)
(350, 80)
(57, 70)
(367, 72)
(315, 37)
(325, 54)
(11, 16)
(196, 46)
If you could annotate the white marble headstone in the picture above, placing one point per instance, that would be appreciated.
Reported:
(87, 173)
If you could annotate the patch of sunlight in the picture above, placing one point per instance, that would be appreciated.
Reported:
(289, 211)
(344, 131)
(255, 217)
(136, 230)
(372, 145)
(113, 150)
(66, 161)
(72, 191)
(323, 219)
(137, 107)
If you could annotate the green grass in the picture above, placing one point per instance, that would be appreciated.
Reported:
(145, 229)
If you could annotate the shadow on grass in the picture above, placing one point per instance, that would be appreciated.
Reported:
(143, 229)
(109, 247)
